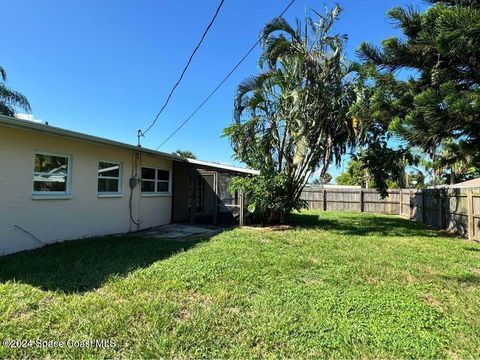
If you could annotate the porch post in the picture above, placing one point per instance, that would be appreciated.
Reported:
(242, 211)
(215, 198)
(193, 199)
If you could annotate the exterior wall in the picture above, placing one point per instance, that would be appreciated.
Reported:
(85, 214)
(155, 209)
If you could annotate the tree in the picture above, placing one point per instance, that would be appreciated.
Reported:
(416, 179)
(438, 106)
(325, 179)
(386, 166)
(456, 164)
(378, 166)
(355, 174)
(373, 111)
(186, 154)
(10, 99)
(292, 118)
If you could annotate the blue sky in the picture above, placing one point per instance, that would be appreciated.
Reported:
(105, 67)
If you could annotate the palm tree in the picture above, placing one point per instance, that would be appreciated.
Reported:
(186, 154)
(293, 117)
(455, 161)
(10, 99)
(322, 93)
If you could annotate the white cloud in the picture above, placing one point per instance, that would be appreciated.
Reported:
(29, 117)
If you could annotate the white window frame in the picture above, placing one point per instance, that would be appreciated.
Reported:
(120, 176)
(156, 181)
(67, 194)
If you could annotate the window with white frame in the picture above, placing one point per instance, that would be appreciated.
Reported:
(155, 180)
(51, 174)
(109, 177)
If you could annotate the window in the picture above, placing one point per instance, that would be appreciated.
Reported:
(155, 180)
(51, 174)
(109, 175)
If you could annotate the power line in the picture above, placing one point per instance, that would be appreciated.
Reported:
(185, 68)
(221, 82)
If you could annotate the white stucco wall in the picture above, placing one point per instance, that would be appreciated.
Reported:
(85, 214)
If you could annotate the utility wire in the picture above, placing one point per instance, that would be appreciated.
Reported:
(186, 67)
(221, 82)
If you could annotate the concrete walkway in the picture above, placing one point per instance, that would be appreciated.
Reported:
(180, 232)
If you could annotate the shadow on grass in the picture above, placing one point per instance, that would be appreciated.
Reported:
(471, 279)
(365, 224)
(471, 248)
(84, 265)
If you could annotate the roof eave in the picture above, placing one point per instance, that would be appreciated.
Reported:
(223, 167)
(29, 125)
(52, 130)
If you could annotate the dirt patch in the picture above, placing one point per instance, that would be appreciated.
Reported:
(432, 300)
(191, 301)
(199, 298)
(184, 315)
(313, 282)
(474, 271)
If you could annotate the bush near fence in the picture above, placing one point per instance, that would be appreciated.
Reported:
(456, 210)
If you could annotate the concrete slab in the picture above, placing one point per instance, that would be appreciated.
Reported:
(179, 231)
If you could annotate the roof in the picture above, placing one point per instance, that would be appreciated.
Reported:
(468, 183)
(333, 186)
(223, 166)
(53, 130)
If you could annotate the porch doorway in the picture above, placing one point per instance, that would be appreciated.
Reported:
(202, 195)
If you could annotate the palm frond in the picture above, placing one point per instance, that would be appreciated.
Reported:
(12, 99)
(275, 25)
(3, 74)
(274, 48)
(6, 110)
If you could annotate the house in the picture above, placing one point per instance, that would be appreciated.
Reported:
(468, 183)
(57, 185)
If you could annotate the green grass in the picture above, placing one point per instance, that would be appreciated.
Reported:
(338, 285)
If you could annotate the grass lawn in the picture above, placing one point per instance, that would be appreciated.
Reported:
(338, 285)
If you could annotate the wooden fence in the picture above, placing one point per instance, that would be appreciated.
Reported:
(455, 210)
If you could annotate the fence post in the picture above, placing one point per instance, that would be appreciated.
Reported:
(423, 207)
(440, 207)
(400, 202)
(389, 203)
(410, 203)
(324, 199)
(240, 221)
(470, 214)
(361, 201)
